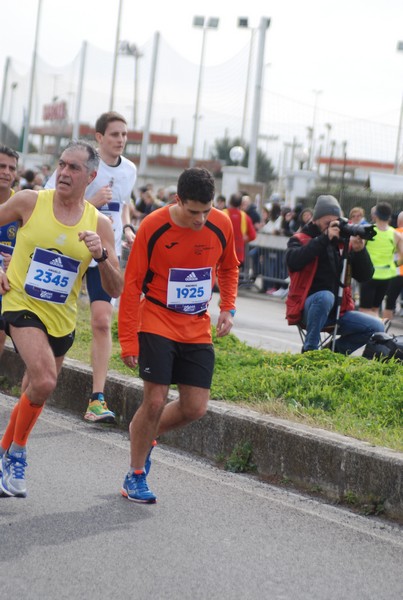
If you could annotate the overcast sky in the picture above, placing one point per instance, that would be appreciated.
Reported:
(346, 49)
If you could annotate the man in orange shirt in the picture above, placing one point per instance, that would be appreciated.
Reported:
(177, 253)
(244, 230)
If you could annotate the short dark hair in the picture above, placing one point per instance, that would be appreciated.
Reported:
(29, 175)
(196, 184)
(235, 200)
(9, 152)
(106, 118)
(383, 211)
(92, 162)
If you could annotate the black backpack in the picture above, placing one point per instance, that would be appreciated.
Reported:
(384, 346)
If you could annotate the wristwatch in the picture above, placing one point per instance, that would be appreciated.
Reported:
(103, 256)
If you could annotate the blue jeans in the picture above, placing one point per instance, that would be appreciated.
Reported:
(354, 328)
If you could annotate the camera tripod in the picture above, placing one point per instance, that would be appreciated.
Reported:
(342, 286)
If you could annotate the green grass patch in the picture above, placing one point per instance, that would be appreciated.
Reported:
(349, 395)
(240, 459)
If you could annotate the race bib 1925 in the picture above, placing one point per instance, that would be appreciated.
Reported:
(189, 290)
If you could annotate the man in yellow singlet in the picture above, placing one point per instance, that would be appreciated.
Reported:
(59, 234)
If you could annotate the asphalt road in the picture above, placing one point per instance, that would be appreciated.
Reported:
(212, 534)
(260, 321)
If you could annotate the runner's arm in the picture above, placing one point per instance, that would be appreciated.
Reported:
(126, 220)
(109, 269)
(129, 304)
(18, 207)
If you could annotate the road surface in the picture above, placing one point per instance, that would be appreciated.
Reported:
(212, 534)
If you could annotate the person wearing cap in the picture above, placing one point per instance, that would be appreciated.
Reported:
(314, 259)
(382, 250)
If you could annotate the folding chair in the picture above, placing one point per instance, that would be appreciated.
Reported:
(326, 336)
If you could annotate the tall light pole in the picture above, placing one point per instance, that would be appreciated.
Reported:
(257, 103)
(3, 97)
(128, 49)
(399, 129)
(205, 24)
(115, 56)
(150, 102)
(76, 123)
(31, 82)
(10, 109)
(243, 23)
(329, 129)
(312, 136)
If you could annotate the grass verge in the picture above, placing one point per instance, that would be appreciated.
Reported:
(348, 395)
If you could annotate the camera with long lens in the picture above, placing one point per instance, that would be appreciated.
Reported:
(365, 232)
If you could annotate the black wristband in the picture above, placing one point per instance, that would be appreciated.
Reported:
(103, 256)
(130, 226)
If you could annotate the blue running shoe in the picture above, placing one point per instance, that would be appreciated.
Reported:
(135, 488)
(147, 465)
(12, 481)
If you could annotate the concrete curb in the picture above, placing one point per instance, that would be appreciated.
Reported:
(312, 459)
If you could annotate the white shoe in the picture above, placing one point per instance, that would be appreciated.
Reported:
(280, 293)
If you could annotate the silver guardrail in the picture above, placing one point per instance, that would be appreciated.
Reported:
(265, 261)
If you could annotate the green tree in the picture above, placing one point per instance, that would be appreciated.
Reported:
(264, 171)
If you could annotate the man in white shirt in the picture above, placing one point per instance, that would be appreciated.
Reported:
(109, 192)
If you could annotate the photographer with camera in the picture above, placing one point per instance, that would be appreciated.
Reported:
(315, 258)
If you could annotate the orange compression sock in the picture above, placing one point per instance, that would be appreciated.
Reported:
(27, 417)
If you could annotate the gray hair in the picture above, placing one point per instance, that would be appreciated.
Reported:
(92, 162)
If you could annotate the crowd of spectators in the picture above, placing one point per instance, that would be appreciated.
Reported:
(271, 219)
(277, 219)
(147, 200)
(32, 178)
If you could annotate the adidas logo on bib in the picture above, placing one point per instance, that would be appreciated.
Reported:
(191, 277)
(57, 262)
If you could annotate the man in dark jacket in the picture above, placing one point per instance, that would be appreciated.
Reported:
(314, 260)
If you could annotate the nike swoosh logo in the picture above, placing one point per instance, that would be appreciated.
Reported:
(169, 246)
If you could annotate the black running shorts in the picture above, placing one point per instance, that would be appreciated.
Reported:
(373, 293)
(164, 361)
(26, 318)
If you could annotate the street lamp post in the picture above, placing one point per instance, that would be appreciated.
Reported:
(399, 129)
(243, 23)
(329, 129)
(343, 174)
(3, 97)
(127, 49)
(27, 120)
(312, 136)
(205, 24)
(302, 157)
(10, 108)
(257, 103)
(115, 56)
(332, 147)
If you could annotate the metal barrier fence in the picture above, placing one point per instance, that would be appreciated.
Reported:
(265, 260)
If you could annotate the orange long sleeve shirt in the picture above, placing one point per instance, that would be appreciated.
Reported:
(160, 246)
